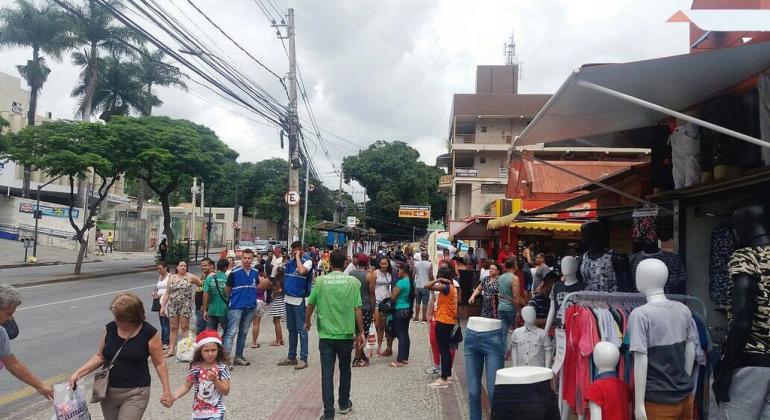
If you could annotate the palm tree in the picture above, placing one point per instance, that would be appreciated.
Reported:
(119, 91)
(96, 31)
(44, 29)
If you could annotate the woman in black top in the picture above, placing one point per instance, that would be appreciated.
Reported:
(128, 390)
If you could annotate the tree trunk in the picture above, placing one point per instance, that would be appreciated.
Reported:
(165, 204)
(141, 188)
(81, 255)
(93, 79)
(31, 111)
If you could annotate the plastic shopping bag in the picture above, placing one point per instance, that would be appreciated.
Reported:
(371, 338)
(70, 404)
(185, 349)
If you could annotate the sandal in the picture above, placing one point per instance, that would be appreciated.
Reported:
(438, 384)
(256, 346)
(397, 364)
(386, 353)
(276, 344)
(359, 363)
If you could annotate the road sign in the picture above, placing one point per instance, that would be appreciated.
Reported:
(292, 198)
(414, 212)
(352, 221)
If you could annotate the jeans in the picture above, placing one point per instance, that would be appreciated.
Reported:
(482, 348)
(508, 318)
(200, 323)
(331, 350)
(165, 329)
(295, 323)
(215, 322)
(749, 395)
(238, 320)
(401, 326)
(443, 333)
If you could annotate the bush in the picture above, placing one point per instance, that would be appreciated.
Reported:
(178, 252)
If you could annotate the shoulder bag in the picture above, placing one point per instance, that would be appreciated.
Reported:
(216, 284)
(11, 328)
(102, 376)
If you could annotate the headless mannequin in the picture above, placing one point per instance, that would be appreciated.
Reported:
(593, 234)
(606, 357)
(480, 324)
(594, 237)
(752, 224)
(529, 316)
(651, 276)
(569, 268)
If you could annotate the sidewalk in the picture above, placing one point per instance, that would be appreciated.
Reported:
(266, 391)
(12, 255)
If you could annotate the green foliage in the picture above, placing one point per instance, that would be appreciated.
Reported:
(177, 252)
(119, 91)
(393, 175)
(4, 122)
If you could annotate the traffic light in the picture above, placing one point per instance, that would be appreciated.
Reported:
(209, 225)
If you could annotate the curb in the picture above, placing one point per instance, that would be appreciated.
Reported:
(86, 276)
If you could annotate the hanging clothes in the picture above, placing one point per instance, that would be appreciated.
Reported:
(722, 246)
(599, 274)
(677, 274)
(685, 151)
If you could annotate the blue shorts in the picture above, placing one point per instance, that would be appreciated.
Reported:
(421, 296)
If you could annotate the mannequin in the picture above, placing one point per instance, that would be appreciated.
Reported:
(569, 268)
(741, 381)
(677, 275)
(483, 346)
(663, 343)
(530, 345)
(601, 268)
(608, 397)
(525, 391)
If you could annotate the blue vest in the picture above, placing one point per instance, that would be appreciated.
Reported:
(295, 284)
(243, 294)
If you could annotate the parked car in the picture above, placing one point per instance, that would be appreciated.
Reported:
(262, 246)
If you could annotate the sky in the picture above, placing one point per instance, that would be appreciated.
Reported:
(387, 70)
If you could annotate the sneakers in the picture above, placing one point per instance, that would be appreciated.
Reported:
(287, 362)
(300, 365)
(433, 370)
(240, 361)
(347, 409)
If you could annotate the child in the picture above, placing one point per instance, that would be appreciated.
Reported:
(210, 376)
(277, 306)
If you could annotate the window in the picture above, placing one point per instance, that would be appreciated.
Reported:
(483, 129)
(482, 159)
(493, 188)
(508, 139)
(220, 216)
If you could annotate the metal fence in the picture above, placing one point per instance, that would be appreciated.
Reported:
(130, 234)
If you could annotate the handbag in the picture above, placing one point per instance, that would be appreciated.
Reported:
(12, 328)
(457, 334)
(102, 376)
(155, 305)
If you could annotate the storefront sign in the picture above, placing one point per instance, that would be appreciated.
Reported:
(585, 210)
(561, 350)
(414, 212)
(49, 211)
(467, 172)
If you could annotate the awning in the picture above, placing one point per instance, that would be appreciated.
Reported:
(746, 20)
(471, 228)
(549, 225)
(502, 221)
(606, 98)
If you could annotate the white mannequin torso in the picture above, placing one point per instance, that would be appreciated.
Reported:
(481, 324)
(522, 375)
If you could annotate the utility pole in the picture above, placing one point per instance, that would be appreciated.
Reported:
(307, 198)
(292, 127)
(194, 192)
(236, 212)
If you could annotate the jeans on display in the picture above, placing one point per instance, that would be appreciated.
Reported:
(508, 318)
(749, 395)
(401, 326)
(295, 323)
(200, 323)
(330, 351)
(529, 401)
(165, 329)
(443, 334)
(215, 322)
(482, 349)
(238, 322)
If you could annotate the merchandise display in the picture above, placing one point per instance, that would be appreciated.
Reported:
(600, 268)
(530, 345)
(484, 349)
(608, 396)
(526, 391)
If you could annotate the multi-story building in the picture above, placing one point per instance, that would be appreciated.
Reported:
(482, 127)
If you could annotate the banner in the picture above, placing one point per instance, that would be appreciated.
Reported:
(414, 212)
(49, 211)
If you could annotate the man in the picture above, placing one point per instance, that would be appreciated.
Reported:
(207, 268)
(470, 259)
(241, 289)
(504, 254)
(296, 287)
(214, 301)
(423, 273)
(452, 264)
(368, 280)
(338, 299)
(509, 297)
(541, 269)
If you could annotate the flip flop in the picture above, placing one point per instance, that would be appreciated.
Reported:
(438, 385)
(274, 344)
(256, 346)
(396, 364)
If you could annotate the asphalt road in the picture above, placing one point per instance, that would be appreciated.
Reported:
(61, 325)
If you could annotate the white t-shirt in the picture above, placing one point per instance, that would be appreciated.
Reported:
(162, 284)
(421, 273)
(277, 263)
(296, 301)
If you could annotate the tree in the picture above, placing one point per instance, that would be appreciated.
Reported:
(154, 72)
(393, 175)
(45, 30)
(166, 152)
(119, 91)
(72, 150)
(96, 31)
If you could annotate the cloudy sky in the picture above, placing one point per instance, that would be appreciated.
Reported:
(388, 69)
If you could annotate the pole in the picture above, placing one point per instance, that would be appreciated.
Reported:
(236, 212)
(413, 228)
(293, 127)
(194, 191)
(307, 197)
(37, 219)
(203, 206)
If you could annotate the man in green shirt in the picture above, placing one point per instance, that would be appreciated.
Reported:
(337, 298)
(214, 303)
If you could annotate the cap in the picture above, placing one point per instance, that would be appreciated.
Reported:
(277, 250)
(206, 337)
(362, 259)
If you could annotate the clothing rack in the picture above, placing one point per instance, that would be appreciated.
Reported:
(576, 298)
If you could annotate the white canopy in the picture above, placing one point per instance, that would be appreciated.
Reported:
(606, 98)
(735, 20)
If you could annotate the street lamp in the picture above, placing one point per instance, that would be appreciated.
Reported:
(38, 214)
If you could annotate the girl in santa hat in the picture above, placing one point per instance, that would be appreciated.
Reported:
(209, 375)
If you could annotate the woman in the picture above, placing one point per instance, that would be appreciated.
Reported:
(128, 389)
(230, 265)
(403, 296)
(177, 303)
(158, 293)
(10, 299)
(443, 319)
(541, 299)
(382, 290)
(277, 309)
(488, 289)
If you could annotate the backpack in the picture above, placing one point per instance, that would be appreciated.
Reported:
(295, 284)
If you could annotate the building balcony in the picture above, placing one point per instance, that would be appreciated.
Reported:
(465, 139)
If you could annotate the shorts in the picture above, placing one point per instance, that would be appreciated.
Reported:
(421, 296)
(367, 317)
(262, 309)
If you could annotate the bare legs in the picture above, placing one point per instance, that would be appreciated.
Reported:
(255, 331)
(379, 325)
(180, 324)
(278, 332)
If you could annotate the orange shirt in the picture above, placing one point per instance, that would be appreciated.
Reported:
(446, 313)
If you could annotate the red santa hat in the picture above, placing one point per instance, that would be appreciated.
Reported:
(206, 337)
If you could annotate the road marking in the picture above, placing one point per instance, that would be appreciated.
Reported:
(29, 391)
(42, 305)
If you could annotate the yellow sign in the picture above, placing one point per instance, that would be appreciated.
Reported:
(414, 212)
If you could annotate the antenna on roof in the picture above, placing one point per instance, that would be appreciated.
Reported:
(510, 52)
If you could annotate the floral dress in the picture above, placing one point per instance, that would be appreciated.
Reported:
(180, 291)
(489, 291)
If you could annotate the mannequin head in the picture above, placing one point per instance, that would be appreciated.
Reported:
(651, 277)
(593, 235)
(606, 356)
(528, 314)
(752, 223)
(569, 267)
